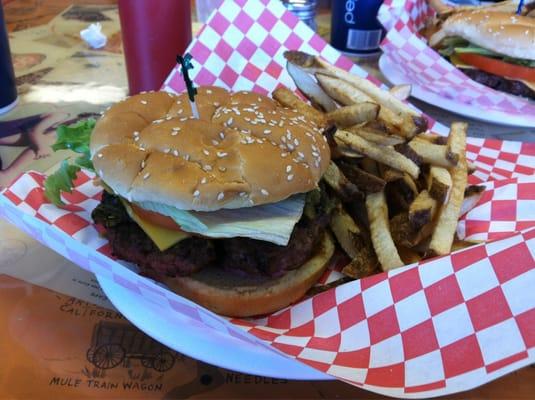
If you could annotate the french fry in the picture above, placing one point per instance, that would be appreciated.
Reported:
(400, 189)
(383, 244)
(434, 154)
(384, 154)
(375, 136)
(402, 92)
(366, 182)
(422, 210)
(345, 230)
(288, 99)
(448, 215)
(383, 97)
(472, 195)
(347, 94)
(340, 184)
(310, 88)
(405, 235)
(354, 114)
(439, 183)
(408, 255)
(342, 91)
(455, 145)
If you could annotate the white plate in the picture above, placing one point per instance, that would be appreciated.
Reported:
(396, 77)
(216, 348)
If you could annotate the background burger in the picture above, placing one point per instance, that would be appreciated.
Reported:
(224, 209)
(496, 49)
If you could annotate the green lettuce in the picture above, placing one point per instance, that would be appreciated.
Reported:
(74, 137)
(457, 45)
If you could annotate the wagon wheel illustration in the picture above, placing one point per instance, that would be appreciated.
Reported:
(147, 362)
(108, 356)
(163, 361)
(90, 354)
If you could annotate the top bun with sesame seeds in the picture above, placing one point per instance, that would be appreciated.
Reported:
(504, 33)
(244, 150)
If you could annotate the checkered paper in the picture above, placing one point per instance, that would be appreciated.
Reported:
(423, 66)
(418, 331)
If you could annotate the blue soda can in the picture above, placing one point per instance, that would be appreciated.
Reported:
(355, 28)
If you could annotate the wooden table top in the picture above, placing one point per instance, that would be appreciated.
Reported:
(24, 14)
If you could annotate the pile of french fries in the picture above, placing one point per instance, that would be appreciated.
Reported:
(398, 190)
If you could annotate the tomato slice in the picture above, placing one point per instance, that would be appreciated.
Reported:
(498, 67)
(156, 218)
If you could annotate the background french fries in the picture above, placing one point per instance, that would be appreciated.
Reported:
(288, 99)
(354, 114)
(398, 189)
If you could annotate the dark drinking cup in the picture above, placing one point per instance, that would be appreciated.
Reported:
(153, 32)
(8, 87)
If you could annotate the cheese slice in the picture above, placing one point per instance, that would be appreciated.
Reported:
(163, 238)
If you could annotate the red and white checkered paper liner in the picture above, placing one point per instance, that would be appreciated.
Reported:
(442, 326)
(423, 66)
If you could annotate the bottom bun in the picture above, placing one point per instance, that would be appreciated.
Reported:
(239, 296)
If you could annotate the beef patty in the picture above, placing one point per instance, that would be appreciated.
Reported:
(499, 83)
(247, 256)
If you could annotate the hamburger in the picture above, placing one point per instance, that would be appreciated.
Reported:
(224, 209)
(496, 49)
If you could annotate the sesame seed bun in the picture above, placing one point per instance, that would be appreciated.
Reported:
(505, 33)
(244, 296)
(244, 150)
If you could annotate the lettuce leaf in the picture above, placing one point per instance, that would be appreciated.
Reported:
(73, 137)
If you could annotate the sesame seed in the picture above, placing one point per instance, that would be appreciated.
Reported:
(186, 157)
(291, 147)
(222, 169)
(180, 111)
(174, 133)
(267, 131)
(290, 177)
(206, 152)
(175, 153)
(143, 102)
(215, 142)
(146, 175)
(283, 139)
(221, 135)
(169, 118)
(208, 91)
(183, 119)
(288, 134)
(207, 167)
(178, 102)
(283, 155)
(166, 151)
(142, 164)
(221, 154)
(136, 138)
(296, 142)
(220, 196)
(230, 121)
(288, 168)
(281, 123)
(204, 180)
(300, 155)
(196, 193)
(216, 104)
(136, 133)
(100, 155)
(264, 192)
